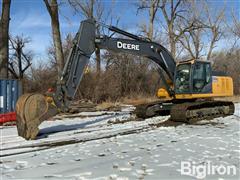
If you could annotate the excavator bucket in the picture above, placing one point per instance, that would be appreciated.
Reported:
(32, 110)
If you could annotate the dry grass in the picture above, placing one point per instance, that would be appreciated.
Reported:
(126, 100)
(233, 99)
(139, 100)
(107, 105)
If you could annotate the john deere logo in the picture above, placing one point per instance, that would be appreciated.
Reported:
(121, 45)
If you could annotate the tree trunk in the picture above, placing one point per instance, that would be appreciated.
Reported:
(209, 55)
(19, 57)
(98, 61)
(150, 30)
(172, 40)
(173, 47)
(4, 29)
(97, 52)
(212, 43)
(53, 11)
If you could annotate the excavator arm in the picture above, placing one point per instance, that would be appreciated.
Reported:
(85, 44)
(32, 109)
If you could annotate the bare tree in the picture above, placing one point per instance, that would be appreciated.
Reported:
(66, 46)
(152, 10)
(191, 41)
(209, 26)
(236, 25)
(234, 29)
(173, 11)
(41, 76)
(20, 59)
(91, 9)
(52, 7)
(170, 20)
(4, 36)
(214, 24)
(229, 63)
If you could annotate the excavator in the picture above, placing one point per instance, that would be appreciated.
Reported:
(187, 95)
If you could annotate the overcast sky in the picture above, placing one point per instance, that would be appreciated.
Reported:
(30, 18)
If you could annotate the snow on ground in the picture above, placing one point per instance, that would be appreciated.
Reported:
(87, 146)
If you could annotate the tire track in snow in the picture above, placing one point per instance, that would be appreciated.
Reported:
(74, 140)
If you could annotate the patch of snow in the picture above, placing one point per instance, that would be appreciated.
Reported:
(237, 110)
(100, 150)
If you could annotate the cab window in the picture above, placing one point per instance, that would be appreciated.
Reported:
(182, 83)
(202, 77)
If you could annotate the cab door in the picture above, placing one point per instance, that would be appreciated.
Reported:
(183, 79)
(201, 78)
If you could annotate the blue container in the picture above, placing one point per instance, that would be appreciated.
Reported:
(10, 90)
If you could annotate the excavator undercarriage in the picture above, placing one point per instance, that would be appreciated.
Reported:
(187, 112)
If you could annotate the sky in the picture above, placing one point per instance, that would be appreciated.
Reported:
(31, 19)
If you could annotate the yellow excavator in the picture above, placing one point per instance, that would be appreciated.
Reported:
(189, 86)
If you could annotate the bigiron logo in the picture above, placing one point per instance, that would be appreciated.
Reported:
(121, 45)
(201, 171)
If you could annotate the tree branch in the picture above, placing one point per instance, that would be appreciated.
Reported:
(48, 7)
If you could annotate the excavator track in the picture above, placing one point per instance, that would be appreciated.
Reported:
(195, 111)
(187, 112)
(147, 110)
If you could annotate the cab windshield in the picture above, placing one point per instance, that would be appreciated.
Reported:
(182, 83)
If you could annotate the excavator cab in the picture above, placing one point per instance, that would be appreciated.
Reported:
(193, 77)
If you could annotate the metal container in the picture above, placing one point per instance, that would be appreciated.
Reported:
(10, 90)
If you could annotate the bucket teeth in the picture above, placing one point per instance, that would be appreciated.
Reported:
(32, 110)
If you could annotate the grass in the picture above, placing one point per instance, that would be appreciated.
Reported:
(139, 100)
(107, 105)
(235, 98)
